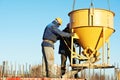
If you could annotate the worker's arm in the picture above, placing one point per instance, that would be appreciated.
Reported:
(56, 31)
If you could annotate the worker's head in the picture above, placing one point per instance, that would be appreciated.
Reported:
(58, 20)
(68, 25)
(68, 28)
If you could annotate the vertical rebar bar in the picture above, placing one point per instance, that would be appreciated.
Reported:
(73, 4)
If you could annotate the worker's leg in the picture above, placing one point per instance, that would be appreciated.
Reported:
(63, 63)
(74, 62)
(43, 67)
(48, 55)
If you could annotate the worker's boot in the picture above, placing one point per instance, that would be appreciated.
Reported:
(76, 76)
(63, 69)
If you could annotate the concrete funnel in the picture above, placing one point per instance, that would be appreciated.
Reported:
(92, 27)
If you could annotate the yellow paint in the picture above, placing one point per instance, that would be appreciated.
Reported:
(88, 26)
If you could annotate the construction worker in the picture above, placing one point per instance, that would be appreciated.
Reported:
(50, 36)
(65, 50)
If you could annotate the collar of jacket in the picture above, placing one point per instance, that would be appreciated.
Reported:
(55, 23)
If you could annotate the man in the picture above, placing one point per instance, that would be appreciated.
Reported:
(65, 50)
(50, 36)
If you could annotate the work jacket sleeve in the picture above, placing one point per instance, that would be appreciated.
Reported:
(60, 33)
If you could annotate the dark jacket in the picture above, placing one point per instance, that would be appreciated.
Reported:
(65, 43)
(53, 33)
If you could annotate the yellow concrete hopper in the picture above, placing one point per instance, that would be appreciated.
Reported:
(92, 27)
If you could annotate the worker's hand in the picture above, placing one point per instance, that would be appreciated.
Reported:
(72, 34)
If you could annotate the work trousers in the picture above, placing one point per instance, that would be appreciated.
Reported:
(48, 62)
(63, 63)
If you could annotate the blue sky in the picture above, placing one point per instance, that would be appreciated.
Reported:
(22, 23)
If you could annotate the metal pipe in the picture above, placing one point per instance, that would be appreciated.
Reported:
(73, 4)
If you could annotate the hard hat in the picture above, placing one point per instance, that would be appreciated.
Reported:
(59, 20)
